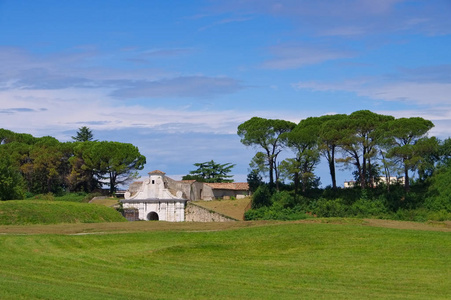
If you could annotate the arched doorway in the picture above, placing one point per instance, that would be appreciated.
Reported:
(152, 216)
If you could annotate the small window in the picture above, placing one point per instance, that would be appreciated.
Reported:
(153, 181)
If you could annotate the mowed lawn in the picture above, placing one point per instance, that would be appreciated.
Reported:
(263, 261)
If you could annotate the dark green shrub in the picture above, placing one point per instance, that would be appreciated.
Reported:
(368, 208)
(261, 197)
(441, 215)
(330, 208)
(274, 213)
(438, 203)
(282, 199)
(418, 215)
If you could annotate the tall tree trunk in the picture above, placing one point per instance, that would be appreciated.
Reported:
(386, 171)
(406, 179)
(363, 172)
(296, 185)
(332, 169)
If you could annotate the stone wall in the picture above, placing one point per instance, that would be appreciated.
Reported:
(196, 213)
(189, 189)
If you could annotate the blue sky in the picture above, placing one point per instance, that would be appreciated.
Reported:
(176, 78)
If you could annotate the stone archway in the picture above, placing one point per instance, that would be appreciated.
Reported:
(152, 216)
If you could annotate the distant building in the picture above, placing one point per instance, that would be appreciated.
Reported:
(380, 180)
(393, 180)
(349, 184)
(162, 198)
(154, 201)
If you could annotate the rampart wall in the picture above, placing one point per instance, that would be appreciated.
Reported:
(196, 213)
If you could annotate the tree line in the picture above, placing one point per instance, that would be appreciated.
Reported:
(372, 146)
(45, 165)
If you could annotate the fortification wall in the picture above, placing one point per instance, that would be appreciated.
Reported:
(175, 186)
(196, 213)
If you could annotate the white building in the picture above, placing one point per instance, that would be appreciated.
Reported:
(380, 180)
(154, 201)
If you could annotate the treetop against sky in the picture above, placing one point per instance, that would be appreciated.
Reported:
(176, 78)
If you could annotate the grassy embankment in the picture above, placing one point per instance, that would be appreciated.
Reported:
(231, 208)
(238, 260)
(23, 212)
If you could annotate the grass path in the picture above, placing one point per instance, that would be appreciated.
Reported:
(127, 227)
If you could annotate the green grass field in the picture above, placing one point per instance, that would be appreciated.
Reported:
(241, 260)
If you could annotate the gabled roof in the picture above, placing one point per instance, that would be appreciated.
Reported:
(237, 186)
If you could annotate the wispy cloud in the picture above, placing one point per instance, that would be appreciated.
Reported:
(423, 91)
(296, 56)
(20, 70)
(350, 17)
(427, 85)
(188, 86)
(415, 93)
(19, 110)
(226, 21)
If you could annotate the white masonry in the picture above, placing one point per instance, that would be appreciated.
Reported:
(154, 201)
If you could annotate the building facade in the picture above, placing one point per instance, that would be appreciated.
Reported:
(153, 200)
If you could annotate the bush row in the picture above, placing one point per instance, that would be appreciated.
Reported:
(396, 205)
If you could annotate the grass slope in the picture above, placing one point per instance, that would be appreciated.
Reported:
(269, 261)
(232, 208)
(20, 212)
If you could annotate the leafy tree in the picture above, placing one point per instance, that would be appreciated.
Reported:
(372, 175)
(408, 144)
(84, 134)
(266, 134)
(7, 136)
(113, 161)
(50, 166)
(254, 180)
(444, 151)
(42, 161)
(360, 140)
(259, 163)
(261, 197)
(440, 189)
(330, 136)
(46, 166)
(82, 178)
(12, 185)
(429, 149)
(211, 172)
(388, 166)
(303, 141)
